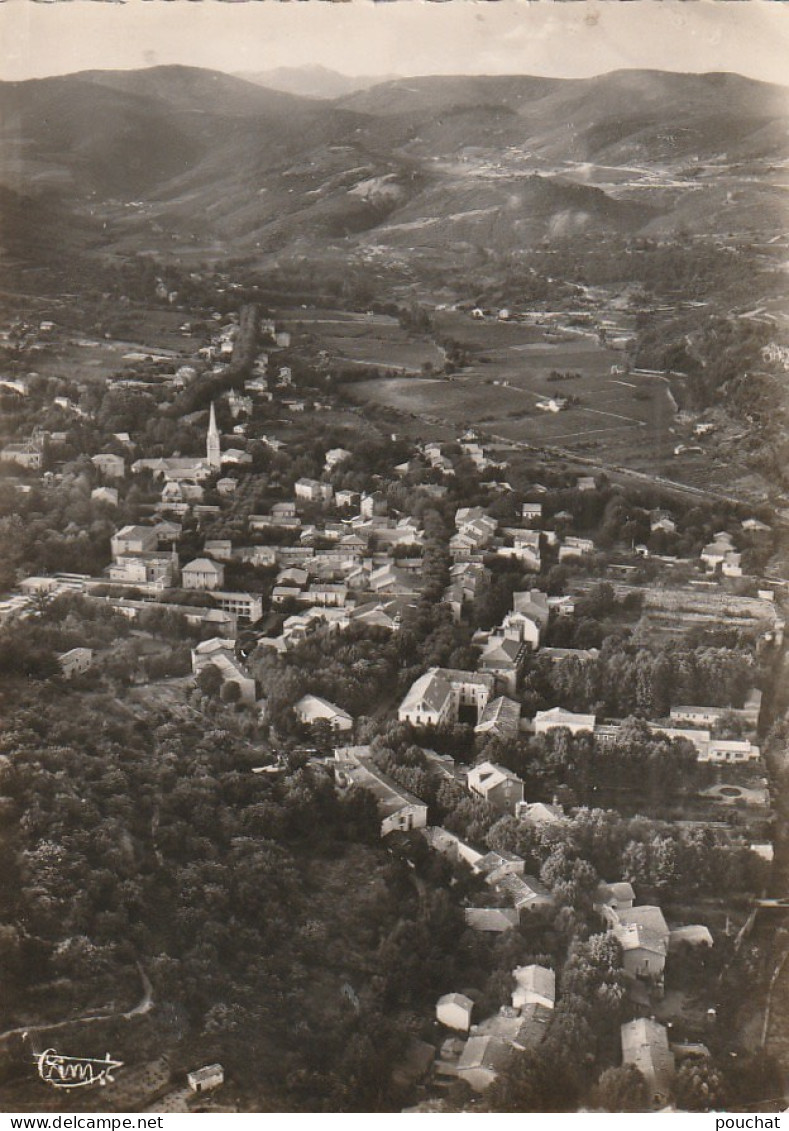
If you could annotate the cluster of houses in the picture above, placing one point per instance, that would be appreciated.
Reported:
(363, 567)
(478, 1050)
(488, 1045)
(349, 560)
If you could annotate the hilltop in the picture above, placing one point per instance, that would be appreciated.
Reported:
(179, 160)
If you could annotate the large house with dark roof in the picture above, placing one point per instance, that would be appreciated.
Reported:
(441, 694)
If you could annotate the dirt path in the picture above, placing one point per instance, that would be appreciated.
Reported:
(144, 1005)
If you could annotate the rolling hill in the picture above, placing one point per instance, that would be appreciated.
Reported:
(173, 158)
(311, 82)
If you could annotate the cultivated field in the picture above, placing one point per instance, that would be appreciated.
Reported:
(609, 422)
(362, 339)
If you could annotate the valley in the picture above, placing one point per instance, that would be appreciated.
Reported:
(393, 587)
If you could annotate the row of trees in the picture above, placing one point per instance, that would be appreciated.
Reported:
(626, 679)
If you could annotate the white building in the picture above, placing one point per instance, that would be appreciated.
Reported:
(206, 1079)
(534, 984)
(311, 709)
(220, 653)
(313, 491)
(440, 694)
(557, 717)
(454, 1011)
(75, 662)
(202, 573)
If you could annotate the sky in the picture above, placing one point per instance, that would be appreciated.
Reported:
(406, 37)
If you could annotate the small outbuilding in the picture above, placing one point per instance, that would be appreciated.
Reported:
(454, 1011)
(207, 1078)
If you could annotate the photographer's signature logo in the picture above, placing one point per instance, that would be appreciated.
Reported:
(75, 1071)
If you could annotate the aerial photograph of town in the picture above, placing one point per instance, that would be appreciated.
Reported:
(394, 557)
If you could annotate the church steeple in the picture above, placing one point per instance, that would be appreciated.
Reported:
(213, 445)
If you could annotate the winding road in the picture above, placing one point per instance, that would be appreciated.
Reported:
(144, 1005)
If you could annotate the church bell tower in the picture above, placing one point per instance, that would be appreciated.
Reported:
(213, 444)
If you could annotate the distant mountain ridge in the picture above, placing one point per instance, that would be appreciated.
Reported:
(313, 82)
(170, 157)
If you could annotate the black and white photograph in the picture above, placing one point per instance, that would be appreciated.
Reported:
(394, 558)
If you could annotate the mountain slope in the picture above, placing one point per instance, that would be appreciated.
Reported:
(174, 155)
(312, 82)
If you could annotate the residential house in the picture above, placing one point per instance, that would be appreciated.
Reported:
(531, 513)
(226, 487)
(336, 456)
(525, 547)
(311, 709)
(643, 953)
(525, 893)
(220, 549)
(293, 577)
(134, 540)
(238, 404)
(494, 866)
(533, 1022)
(643, 935)
(731, 751)
(504, 660)
(28, 454)
(573, 547)
(203, 573)
(558, 654)
(243, 606)
(178, 495)
(373, 504)
(557, 717)
(313, 491)
(500, 719)
(497, 785)
(491, 920)
(694, 934)
(327, 594)
(220, 653)
(167, 532)
(111, 466)
(399, 810)
(428, 701)
(711, 717)
(389, 580)
(645, 1045)
(475, 525)
(661, 522)
(156, 569)
(482, 1060)
(534, 985)
(377, 614)
(346, 498)
(539, 815)
(609, 899)
(529, 617)
(441, 694)
(454, 1011)
(236, 456)
(258, 386)
(463, 547)
(75, 662)
(715, 553)
(451, 846)
(521, 1028)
